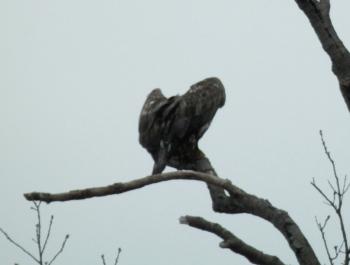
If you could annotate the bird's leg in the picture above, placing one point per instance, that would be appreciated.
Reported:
(161, 161)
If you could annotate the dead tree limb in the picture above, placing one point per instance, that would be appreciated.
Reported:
(318, 14)
(231, 241)
(122, 187)
(238, 201)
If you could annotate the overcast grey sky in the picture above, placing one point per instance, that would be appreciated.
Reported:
(73, 77)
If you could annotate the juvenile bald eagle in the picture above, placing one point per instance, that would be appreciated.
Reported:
(170, 128)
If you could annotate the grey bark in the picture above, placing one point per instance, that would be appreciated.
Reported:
(318, 14)
(231, 241)
(237, 201)
(242, 202)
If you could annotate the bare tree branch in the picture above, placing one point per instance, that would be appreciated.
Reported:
(238, 201)
(231, 241)
(118, 188)
(60, 250)
(329, 201)
(319, 17)
(336, 203)
(345, 185)
(38, 241)
(48, 234)
(18, 245)
(117, 258)
(38, 231)
(321, 228)
(103, 259)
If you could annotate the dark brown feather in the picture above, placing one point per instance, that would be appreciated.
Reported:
(167, 126)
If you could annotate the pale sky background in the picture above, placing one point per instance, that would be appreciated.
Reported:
(73, 77)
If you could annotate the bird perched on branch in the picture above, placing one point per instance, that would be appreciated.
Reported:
(170, 128)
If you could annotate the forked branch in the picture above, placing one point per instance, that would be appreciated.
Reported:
(116, 260)
(238, 201)
(335, 201)
(40, 242)
(12, 241)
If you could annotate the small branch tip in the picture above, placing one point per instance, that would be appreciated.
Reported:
(183, 220)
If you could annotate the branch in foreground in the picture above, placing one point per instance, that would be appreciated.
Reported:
(238, 201)
(231, 241)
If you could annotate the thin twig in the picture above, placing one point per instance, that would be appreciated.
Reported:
(117, 258)
(39, 238)
(321, 228)
(335, 174)
(344, 184)
(60, 250)
(103, 259)
(343, 231)
(231, 241)
(331, 186)
(331, 203)
(38, 231)
(346, 189)
(336, 203)
(338, 250)
(18, 245)
(47, 235)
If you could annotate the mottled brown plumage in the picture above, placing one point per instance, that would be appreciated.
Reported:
(169, 127)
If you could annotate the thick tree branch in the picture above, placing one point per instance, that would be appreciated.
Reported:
(318, 15)
(197, 161)
(238, 201)
(118, 188)
(231, 241)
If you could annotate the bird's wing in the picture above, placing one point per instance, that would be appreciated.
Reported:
(168, 126)
(154, 101)
(201, 102)
(148, 127)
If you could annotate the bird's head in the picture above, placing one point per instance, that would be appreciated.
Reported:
(214, 87)
(154, 98)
